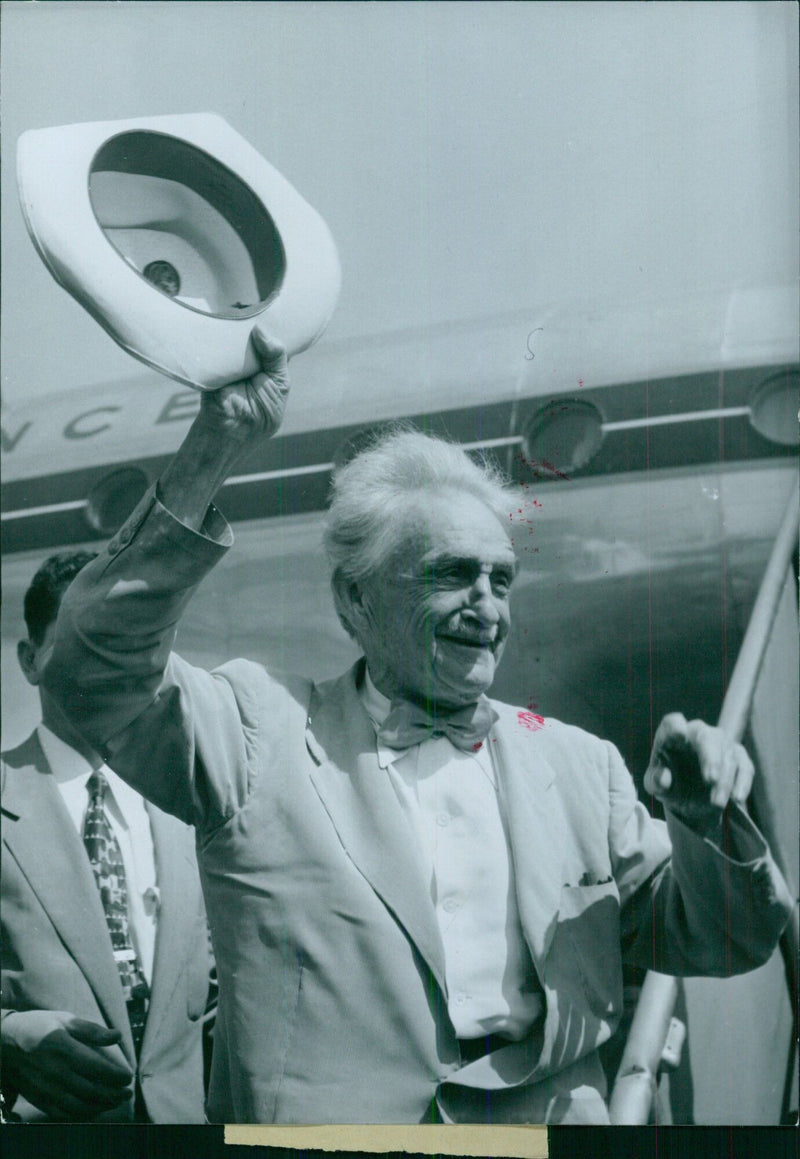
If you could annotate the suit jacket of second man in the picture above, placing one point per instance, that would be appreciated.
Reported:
(56, 952)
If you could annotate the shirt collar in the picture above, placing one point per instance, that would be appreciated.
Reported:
(68, 765)
(376, 704)
(377, 707)
(65, 762)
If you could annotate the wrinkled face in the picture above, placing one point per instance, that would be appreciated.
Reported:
(437, 618)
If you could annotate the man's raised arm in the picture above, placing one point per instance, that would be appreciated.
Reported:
(157, 721)
(230, 421)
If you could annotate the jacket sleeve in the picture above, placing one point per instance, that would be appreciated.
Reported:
(692, 905)
(183, 737)
(8, 1092)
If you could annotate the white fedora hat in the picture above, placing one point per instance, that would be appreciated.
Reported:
(178, 237)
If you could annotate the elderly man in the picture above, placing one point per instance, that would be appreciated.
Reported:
(419, 898)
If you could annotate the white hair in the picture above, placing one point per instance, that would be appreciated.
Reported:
(368, 515)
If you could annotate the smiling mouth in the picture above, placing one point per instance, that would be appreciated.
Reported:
(477, 645)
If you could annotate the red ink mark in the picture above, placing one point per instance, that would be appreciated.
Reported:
(554, 470)
(476, 748)
(580, 382)
(542, 466)
(531, 720)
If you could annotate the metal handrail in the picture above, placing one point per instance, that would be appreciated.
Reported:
(739, 695)
(637, 1076)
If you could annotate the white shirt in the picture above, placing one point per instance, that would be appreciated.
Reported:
(130, 822)
(451, 802)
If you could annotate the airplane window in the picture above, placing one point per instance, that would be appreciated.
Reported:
(111, 501)
(187, 224)
(774, 408)
(562, 438)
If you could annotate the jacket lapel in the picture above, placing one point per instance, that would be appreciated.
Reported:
(177, 883)
(536, 825)
(366, 814)
(42, 839)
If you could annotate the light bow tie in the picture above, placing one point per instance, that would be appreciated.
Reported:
(407, 724)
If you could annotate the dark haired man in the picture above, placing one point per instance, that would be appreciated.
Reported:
(104, 949)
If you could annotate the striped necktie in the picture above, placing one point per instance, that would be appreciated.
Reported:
(105, 857)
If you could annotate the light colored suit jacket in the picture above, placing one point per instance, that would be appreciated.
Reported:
(56, 952)
(333, 995)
